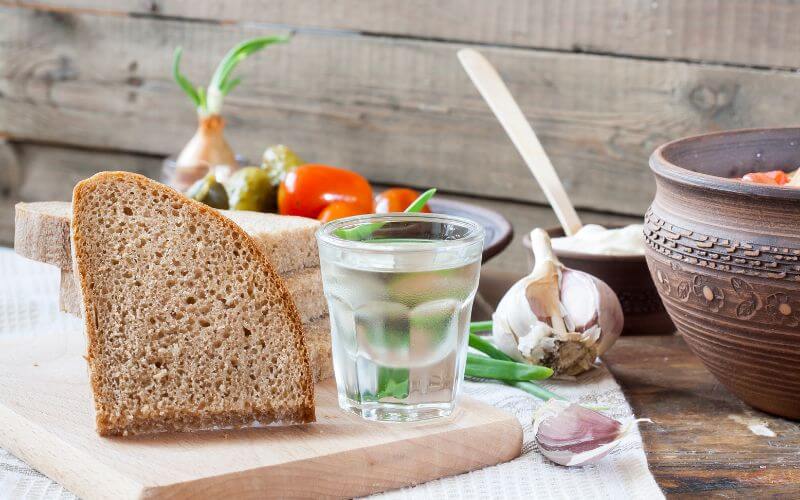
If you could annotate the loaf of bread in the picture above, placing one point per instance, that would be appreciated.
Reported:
(188, 325)
(41, 233)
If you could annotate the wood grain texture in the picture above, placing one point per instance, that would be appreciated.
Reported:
(392, 109)
(45, 419)
(51, 172)
(699, 445)
(10, 180)
(749, 32)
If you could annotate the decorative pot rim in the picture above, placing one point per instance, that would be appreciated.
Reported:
(662, 167)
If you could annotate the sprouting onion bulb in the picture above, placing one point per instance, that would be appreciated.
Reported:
(208, 149)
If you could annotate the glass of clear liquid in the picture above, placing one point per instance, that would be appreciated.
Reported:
(400, 289)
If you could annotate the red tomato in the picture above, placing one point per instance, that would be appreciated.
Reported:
(309, 189)
(338, 210)
(774, 177)
(396, 200)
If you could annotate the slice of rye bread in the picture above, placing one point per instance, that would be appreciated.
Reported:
(316, 328)
(41, 233)
(188, 325)
(304, 286)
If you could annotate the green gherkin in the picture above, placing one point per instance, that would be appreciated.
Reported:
(207, 190)
(279, 160)
(250, 188)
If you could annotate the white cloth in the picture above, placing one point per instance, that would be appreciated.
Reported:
(29, 307)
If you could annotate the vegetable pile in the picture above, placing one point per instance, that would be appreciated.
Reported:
(286, 185)
(207, 169)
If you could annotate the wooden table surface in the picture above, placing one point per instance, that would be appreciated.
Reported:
(700, 443)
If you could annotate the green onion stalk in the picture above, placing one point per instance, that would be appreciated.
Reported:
(208, 148)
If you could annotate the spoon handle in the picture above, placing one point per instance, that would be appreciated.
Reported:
(502, 103)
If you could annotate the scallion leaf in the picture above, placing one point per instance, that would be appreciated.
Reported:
(486, 367)
(184, 82)
(210, 101)
(480, 326)
(220, 80)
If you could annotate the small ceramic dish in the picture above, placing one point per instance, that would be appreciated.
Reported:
(628, 276)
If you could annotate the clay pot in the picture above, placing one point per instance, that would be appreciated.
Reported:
(725, 256)
(629, 278)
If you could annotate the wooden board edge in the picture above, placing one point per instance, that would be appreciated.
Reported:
(70, 468)
(446, 454)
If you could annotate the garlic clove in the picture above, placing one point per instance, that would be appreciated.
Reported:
(590, 302)
(610, 320)
(580, 298)
(571, 435)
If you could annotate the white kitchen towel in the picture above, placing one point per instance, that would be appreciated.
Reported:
(29, 307)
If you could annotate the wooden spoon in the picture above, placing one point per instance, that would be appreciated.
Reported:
(496, 94)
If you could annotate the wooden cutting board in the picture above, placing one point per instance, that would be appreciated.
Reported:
(47, 419)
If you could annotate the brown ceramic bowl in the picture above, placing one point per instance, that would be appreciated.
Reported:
(725, 256)
(629, 278)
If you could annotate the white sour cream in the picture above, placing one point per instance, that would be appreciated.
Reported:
(597, 240)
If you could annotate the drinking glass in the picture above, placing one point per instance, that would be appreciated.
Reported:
(400, 289)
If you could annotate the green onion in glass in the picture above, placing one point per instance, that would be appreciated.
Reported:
(392, 382)
(400, 288)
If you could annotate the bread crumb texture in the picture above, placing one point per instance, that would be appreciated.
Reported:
(188, 325)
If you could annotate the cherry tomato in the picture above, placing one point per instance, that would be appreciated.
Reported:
(338, 210)
(309, 189)
(774, 177)
(396, 200)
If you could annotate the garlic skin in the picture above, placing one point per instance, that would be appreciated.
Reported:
(556, 317)
(571, 435)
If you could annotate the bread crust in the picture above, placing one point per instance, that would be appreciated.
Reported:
(187, 420)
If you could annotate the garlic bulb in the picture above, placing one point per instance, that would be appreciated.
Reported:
(556, 317)
(569, 434)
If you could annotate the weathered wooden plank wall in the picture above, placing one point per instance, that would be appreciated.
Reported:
(375, 86)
